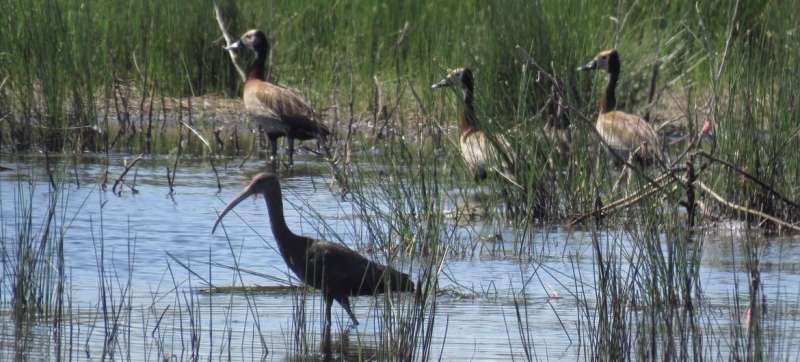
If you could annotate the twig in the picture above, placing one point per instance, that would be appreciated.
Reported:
(741, 208)
(228, 40)
(216, 174)
(218, 140)
(119, 181)
(197, 133)
(249, 154)
(628, 200)
(378, 109)
(751, 178)
(47, 167)
(171, 173)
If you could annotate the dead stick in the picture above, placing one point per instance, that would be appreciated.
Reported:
(750, 177)
(249, 154)
(122, 175)
(216, 174)
(625, 202)
(741, 208)
(228, 40)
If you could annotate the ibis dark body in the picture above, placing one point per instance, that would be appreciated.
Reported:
(334, 269)
(280, 111)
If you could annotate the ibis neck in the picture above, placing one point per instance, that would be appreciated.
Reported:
(468, 118)
(609, 101)
(279, 228)
(257, 70)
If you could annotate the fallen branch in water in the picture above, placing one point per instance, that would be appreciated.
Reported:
(628, 201)
(119, 180)
(750, 177)
(741, 208)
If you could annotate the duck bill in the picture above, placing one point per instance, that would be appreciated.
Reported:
(235, 45)
(588, 66)
(239, 198)
(440, 84)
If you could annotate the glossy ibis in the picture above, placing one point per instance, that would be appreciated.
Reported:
(279, 110)
(335, 270)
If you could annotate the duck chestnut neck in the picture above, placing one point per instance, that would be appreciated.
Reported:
(468, 118)
(609, 101)
(257, 70)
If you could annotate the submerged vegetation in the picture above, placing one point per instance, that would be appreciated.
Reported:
(717, 80)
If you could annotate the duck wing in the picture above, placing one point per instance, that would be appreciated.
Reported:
(627, 131)
(264, 99)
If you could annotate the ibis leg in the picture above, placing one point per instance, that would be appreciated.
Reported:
(326, 329)
(345, 302)
(328, 305)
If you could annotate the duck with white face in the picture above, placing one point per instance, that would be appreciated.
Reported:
(480, 153)
(627, 136)
(279, 111)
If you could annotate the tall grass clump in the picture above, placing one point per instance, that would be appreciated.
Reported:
(34, 276)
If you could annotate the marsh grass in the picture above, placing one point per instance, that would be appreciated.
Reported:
(123, 76)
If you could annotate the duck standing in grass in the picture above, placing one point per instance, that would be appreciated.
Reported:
(627, 135)
(280, 111)
(481, 153)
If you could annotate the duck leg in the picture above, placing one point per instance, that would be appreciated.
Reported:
(273, 151)
(344, 301)
(290, 151)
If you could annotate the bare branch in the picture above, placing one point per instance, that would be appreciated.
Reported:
(228, 40)
(750, 177)
(119, 181)
(628, 201)
(741, 208)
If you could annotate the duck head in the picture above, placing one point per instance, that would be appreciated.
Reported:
(254, 40)
(607, 60)
(459, 77)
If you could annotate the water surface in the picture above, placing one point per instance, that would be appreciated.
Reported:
(145, 242)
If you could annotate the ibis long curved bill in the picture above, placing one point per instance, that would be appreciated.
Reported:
(247, 192)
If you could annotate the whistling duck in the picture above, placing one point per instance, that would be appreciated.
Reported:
(280, 111)
(622, 132)
(479, 152)
(332, 268)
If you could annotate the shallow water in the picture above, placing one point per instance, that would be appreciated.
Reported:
(141, 238)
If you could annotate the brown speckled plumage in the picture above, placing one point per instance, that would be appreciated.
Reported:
(279, 110)
(622, 132)
(480, 153)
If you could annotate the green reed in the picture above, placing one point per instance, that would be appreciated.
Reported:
(125, 66)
